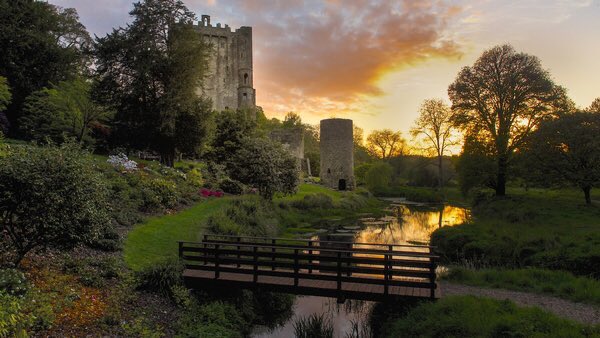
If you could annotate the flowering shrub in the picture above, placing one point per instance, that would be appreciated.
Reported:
(210, 193)
(122, 162)
(159, 194)
(13, 282)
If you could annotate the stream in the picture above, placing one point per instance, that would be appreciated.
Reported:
(405, 222)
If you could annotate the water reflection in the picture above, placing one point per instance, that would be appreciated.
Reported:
(410, 224)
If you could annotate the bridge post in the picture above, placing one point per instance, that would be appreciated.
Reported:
(339, 272)
(296, 267)
(310, 261)
(432, 277)
(217, 272)
(239, 239)
(255, 250)
(386, 277)
(180, 250)
(273, 252)
(205, 252)
(391, 249)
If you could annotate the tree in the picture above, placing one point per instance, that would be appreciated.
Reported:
(231, 129)
(64, 110)
(267, 166)
(292, 120)
(41, 44)
(435, 125)
(378, 175)
(567, 149)
(476, 166)
(386, 143)
(595, 106)
(5, 98)
(150, 73)
(49, 197)
(504, 96)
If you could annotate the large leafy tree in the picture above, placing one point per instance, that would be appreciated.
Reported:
(64, 110)
(567, 150)
(386, 143)
(434, 125)
(5, 98)
(41, 44)
(503, 97)
(150, 72)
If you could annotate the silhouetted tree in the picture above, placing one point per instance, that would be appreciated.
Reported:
(435, 126)
(567, 149)
(5, 99)
(595, 106)
(386, 143)
(503, 97)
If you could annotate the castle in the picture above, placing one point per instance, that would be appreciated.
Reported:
(229, 82)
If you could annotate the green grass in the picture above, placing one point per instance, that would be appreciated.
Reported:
(450, 195)
(155, 240)
(543, 228)
(555, 283)
(469, 316)
(307, 189)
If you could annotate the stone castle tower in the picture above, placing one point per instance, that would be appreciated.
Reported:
(230, 81)
(337, 154)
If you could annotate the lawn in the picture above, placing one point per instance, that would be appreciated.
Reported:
(543, 228)
(156, 239)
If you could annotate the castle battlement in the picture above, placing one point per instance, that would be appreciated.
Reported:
(230, 80)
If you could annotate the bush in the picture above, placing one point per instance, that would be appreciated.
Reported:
(50, 197)
(313, 326)
(481, 317)
(249, 215)
(231, 186)
(313, 201)
(160, 278)
(216, 319)
(12, 319)
(379, 175)
(159, 194)
(13, 282)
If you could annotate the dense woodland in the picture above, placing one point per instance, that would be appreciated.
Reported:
(82, 118)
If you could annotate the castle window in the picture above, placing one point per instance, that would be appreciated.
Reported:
(329, 171)
(246, 78)
(245, 94)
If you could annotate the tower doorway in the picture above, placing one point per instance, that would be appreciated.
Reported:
(342, 185)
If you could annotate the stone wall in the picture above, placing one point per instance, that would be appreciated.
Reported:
(230, 77)
(337, 154)
(291, 139)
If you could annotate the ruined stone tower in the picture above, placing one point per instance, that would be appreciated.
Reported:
(230, 81)
(337, 154)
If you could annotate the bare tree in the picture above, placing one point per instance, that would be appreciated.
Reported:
(434, 125)
(503, 97)
(386, 143)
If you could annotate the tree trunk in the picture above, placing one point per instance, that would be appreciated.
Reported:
(167, 157)
(501, 177)
(588, 197)
(440, 172)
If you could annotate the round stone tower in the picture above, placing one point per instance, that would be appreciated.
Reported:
(337, 154)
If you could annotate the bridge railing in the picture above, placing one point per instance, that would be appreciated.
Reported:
(393, 266)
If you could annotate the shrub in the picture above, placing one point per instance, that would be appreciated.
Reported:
(231, 186)
(379, 175)
(160, 277)
(313, 201)
(216, 319)
(313, 326)
(12, 319)
(13, 282)
(50, 197)
(159, 194)
(249, 215)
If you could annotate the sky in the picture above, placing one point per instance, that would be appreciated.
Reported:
(376, 61)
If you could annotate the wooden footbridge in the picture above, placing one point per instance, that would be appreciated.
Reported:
(343, 270)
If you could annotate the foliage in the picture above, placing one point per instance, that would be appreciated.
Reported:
(50, 197)
(150, 75)
(482, 317)
(41, 44)
(13, 282)
(360, 173)
(502, 98)
(568, 150)
(215, 319)
(12, 318)
(556, 283)
(593, 108)
(435, 126)
(121, 162)
(249, 215)
(141, 327)
(158, 194)
(314, 326)
(265, 165)
(232, 187)
(379, 175)
(5, 94)
(414, 194)
(476, 166)
(313, 201)
(386, 143)
(160, 277)
(231, 128)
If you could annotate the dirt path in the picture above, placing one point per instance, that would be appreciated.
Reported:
(583, 313)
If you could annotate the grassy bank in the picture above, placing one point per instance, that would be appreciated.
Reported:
(450, 195)
(549, 229)
(156, 239)
(481, 317)
(554, 283)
